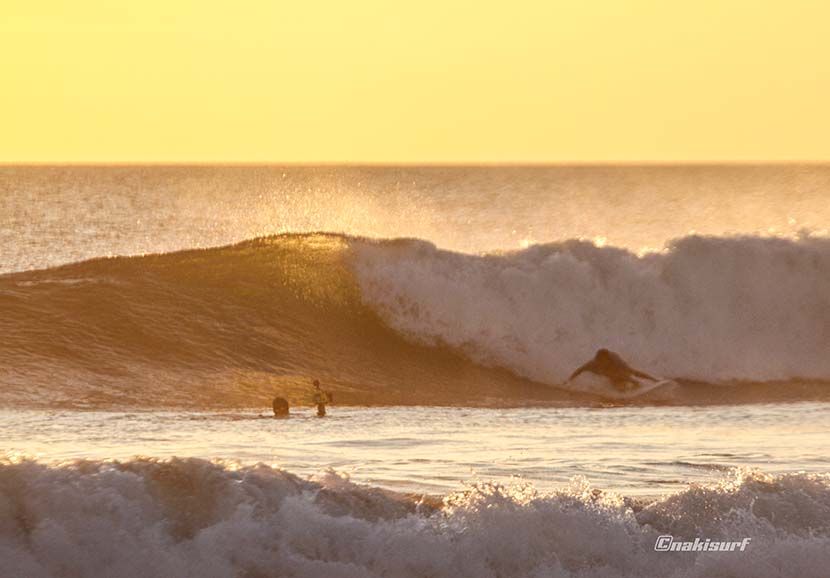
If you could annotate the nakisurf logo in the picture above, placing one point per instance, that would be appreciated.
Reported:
(667, 543)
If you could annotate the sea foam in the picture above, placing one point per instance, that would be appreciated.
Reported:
(189, 518)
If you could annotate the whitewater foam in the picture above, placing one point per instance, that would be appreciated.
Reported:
(189, 517)
(706, 308)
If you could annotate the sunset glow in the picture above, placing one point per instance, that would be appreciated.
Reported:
(372, 81)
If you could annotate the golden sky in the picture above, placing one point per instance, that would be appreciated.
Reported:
(417, 81)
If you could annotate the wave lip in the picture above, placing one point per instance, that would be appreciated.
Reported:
(189, 517)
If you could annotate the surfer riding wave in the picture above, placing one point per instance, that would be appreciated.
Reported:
(610, 365)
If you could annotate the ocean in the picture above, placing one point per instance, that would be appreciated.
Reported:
(149, 314)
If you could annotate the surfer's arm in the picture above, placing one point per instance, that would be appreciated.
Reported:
(581, 369)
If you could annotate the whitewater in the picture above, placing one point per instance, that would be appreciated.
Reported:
(195, 518)
(713, 309)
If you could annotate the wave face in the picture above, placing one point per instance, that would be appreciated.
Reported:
(230, 326)
(402, 322)
(196, 518)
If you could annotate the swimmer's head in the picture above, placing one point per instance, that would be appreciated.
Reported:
(316, 383)
(603, 354)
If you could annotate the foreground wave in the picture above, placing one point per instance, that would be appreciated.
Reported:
(189, 517)
(402, 322)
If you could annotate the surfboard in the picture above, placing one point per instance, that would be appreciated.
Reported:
(644, 388)
(601, 386)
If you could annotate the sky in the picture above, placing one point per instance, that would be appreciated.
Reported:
(432, 81)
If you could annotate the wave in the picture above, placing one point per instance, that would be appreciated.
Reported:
(190, 517)
(403, 322)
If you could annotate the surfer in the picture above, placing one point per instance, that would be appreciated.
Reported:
(321, 398)
(611, 365)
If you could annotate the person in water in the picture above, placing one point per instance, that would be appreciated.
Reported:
(280, 406)
(321, 398)
(611, 365)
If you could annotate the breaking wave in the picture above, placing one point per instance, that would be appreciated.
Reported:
(713, 309)
(189, 517)
(401, 321)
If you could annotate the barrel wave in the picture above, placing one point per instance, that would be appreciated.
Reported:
(403, 322)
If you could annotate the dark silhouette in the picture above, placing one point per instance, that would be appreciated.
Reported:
(321, 398)
(280, 406)
(611, 365)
